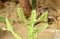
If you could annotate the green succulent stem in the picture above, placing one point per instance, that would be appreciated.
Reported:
(16, 35)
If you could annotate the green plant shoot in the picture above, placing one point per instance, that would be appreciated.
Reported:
(21, 15)
(43, 17)
(31, 25)
(32, 32)
(9, 28)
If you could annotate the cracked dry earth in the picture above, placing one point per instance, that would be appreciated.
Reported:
(10, 11)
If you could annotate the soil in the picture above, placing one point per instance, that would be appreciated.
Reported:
(52, 6)
(10, 11)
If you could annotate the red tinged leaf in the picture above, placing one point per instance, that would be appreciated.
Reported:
(25, 4)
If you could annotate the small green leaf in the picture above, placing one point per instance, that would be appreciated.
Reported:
(34, 4)
(9, 26)
(21, 15)
(2, 19)
(33, 17)
(41, 28)
(43, 17)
